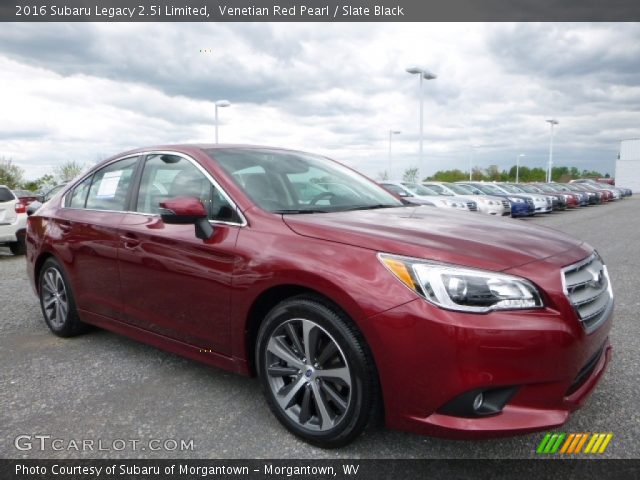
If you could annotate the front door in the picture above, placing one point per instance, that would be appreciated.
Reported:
(173, 283)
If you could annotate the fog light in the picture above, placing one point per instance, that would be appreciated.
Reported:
(477, 402)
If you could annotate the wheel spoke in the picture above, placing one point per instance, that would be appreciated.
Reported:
(305, 407)
(281, 350)
(49, 280)
(342, 373)
(335, 397)
(327, 352)
(295, 339)
(322, 407)
(58, 313)
(286, 395)
(48, 302)
(280, 371)
(310, 339)
(63, 309)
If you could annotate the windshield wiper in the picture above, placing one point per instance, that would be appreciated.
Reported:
(300, 210)
(372, 207)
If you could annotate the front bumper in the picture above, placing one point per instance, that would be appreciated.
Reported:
(521, 209)
(428, 356)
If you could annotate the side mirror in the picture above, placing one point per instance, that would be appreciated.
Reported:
(40, 197)
(186, 210)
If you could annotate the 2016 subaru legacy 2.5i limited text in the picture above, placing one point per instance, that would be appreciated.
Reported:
(348, 304)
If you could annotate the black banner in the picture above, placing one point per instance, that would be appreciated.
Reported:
(317, 10)
(316, 469)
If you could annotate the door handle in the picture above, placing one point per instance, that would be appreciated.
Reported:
(130, 241)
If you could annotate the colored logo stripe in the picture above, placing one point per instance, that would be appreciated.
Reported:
(573, 443)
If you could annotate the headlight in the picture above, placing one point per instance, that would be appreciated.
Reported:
(516, 200)
(463, 289)
(451, 203)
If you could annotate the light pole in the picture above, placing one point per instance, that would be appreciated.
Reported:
(518, 167)
(427, 75)
(471, 161)
(220, 103)
(552, 122)
(391, 134)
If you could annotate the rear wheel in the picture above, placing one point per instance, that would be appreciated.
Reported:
(315, 372)
(57, 302)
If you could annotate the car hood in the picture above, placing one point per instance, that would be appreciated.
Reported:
(449, 236)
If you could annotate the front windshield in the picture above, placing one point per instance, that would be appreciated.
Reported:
(510, 188)
(293, 182)
(472, 188)
(418, 189)
(436, 188)
(491, 189)
(459, 189)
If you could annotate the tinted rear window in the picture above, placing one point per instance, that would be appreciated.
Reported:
(6, 195)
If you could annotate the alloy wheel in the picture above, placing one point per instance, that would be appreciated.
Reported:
(308, 375)
(55, 301)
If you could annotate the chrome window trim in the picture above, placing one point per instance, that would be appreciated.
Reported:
(243, 222)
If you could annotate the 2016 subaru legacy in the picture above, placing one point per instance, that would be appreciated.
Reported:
(347, 304)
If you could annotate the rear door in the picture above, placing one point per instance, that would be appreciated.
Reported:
(173, 283)
(86, 236)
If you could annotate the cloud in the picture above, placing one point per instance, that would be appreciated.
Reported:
(79, 91)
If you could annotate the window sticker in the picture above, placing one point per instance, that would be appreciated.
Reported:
(109, 184)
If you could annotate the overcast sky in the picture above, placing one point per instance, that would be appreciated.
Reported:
(87, 91)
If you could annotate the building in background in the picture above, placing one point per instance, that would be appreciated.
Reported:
(628, 165)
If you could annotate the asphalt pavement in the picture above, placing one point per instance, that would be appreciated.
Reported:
(135, 401)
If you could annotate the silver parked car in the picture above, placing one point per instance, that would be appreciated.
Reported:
(486, 203)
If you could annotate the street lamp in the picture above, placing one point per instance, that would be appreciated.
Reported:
(391, 133)
(518, 166)
(552, 122)
(427, 75)
(220, 103)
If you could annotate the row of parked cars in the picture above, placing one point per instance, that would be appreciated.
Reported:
(13, 215)
(508, 199)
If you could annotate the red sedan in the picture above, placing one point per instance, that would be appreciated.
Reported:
(345, 302)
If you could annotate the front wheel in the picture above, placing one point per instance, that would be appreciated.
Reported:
(315, 372)
(57, 302)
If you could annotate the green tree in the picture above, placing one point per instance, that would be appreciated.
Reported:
(68, 171)
(10, 173)
(449, 176)
(492, 173)
(410, 175)
(43, 183)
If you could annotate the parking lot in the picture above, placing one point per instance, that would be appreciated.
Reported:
(103, 386)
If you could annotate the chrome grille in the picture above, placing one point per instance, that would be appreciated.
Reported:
(473, 206)
(588, 288)
(529, 201)
(506, 204)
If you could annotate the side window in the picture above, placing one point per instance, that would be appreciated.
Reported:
(110, 186)
(79, 194)
(169, 176)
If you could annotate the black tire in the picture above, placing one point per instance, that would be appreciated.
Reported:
(18, 248)
(325, 410)
(55, 292)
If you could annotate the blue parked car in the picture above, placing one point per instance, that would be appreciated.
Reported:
(521, 205)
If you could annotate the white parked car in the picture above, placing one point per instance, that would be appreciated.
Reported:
(13, 220)
(486, 203)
